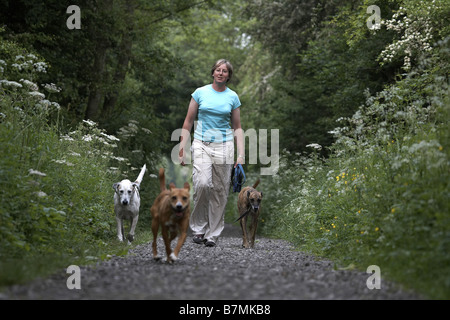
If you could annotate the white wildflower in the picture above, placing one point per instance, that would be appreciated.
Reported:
(41, 194)
(63, 162)
(18, 66)
(56, 105)
(31, 85)
(90, 123)
(75, 154)
(87, 137)
(67, 138)
(110, 137)
(40, 67)
(12, 84)
(120, 159)
(51, 87)
(36, 173)
(38, 95)
(315, 146)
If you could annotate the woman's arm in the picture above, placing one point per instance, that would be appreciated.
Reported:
(186, 129)
(239, 135)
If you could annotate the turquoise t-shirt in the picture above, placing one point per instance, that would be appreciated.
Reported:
(214, 113)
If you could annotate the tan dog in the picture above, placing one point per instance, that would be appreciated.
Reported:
(249, 202)
(171, 210)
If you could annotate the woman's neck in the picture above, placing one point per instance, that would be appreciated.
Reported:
(219, 87)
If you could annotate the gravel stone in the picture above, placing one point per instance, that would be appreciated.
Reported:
(272, 270)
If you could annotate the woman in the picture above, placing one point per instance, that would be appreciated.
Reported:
(212, 151)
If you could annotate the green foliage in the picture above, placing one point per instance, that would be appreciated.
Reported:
(56, 185)
(382, 196)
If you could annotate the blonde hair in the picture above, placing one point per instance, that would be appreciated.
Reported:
(227, 63)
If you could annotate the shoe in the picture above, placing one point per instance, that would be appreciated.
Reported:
(210, 243)
(198, 238)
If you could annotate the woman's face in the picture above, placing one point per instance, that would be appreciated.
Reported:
(221, 74)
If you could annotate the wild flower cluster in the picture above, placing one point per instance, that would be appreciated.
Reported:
(415, 29)
(24, 95)
(29, 64)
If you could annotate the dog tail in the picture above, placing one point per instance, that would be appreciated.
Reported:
(162, 179)
(256, 183)
(141, 175)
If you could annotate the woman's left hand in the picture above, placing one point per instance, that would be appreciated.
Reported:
(240, 160)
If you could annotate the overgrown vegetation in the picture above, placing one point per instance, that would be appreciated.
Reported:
(56, 184)
(382, 196)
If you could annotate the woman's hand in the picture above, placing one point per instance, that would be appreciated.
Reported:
(240, 160)
(181, 156)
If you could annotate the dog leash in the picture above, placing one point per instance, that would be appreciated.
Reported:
(243, 215)
(238, 178)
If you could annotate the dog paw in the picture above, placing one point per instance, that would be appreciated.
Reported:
(156, 258)
(130, 237)
(120, 238)
(173, 256)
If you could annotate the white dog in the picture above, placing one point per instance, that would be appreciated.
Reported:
(126, 204)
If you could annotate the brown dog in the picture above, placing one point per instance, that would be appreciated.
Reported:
(171, 210)
(249, 202)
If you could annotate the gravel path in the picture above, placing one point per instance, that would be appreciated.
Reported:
(270, 271)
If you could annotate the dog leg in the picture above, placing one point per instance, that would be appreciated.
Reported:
(130, 236)
(253, 228)
(181, 238)
(119, 229)
(243, 222)
(165, 235)
(155, 227)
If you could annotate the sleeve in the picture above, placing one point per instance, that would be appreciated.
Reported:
(237, 102)
(196, 95)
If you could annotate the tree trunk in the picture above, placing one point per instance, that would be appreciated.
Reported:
(122, 61)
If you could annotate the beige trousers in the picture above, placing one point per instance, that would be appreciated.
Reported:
(211, 177)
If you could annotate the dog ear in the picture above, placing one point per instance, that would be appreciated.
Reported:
(135, 185)
(187, 186)
(115, 186)
(172, 186)
(248, 193)
(261, 195)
